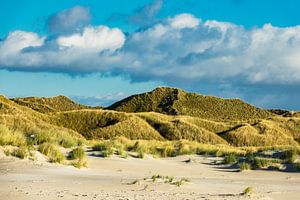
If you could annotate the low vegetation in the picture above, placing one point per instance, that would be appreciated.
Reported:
(77, 153)
(244, 166)
(13, 138)
(21, 152)
(168, 179)
(173, 101)
(247, 191)
(80, 163)
(230, 159)
(52, 151)
(166, 122)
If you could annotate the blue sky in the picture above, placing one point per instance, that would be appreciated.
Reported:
(100, 51)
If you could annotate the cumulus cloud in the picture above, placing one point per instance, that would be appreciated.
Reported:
(11, 48)
(176, 50)
(184, 21)
(94, 39)
(69, 20)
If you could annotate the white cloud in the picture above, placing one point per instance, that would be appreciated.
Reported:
(184, 21)
(94, 39)
(11, 47)
(175, 50)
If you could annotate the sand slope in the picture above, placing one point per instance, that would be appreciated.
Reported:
(113, 178)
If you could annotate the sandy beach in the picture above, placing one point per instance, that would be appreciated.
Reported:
(119, 178)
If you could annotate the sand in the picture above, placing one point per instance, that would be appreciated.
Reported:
(119, 178)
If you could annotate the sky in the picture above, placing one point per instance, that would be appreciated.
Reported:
(98, 52)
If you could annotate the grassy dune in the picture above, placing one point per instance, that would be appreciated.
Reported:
(173, 101)
(164, 122)
(52, 104)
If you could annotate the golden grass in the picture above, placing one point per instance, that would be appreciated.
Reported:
(80, 163)
(67, 128)
(77, 153)
(14, 138)
(173, 101)
(52, 152)
(51, 104)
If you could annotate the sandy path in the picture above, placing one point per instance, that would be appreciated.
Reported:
(111, 179)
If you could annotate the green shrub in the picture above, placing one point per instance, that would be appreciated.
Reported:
(230, 159)
(52, 152)
(77, 153)
(245, 166)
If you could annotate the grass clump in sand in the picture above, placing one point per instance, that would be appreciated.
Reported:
(260, 163)
(80, 163)
(180, 182)
(169, 179)
(121, 152)
(79, 157)
(290, 155)
(77, 153)
(52, 151)
(140, 154)
(21, 152)
(230, 159)
(106, 148)
(247, 191)
(245, 166)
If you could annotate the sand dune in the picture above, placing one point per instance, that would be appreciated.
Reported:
(119, 178)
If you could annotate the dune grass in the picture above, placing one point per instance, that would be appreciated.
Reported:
(80, 163)
(290, 155)
(230, 159)
(182, 147)
(247, 191)
(169, 179)
(8, 137)
(52, 151)
(21, 152)
(39, 136)
(244, 166)
(77, 153)
(173, 101)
